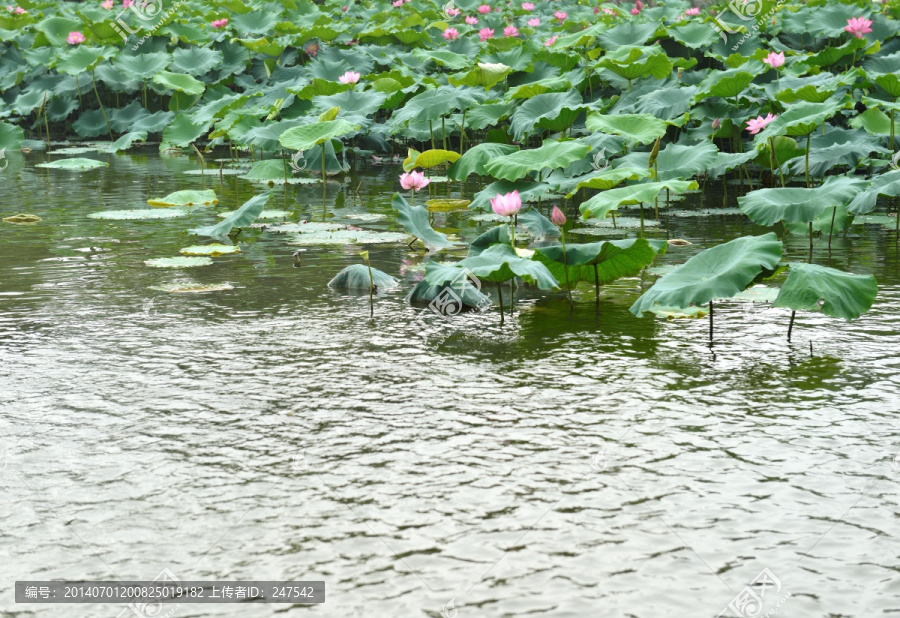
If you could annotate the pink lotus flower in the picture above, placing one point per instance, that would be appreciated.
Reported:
(610, 12)
(510, 31)
(485, 34)
(343, 9)
(107, 5)
(450, 34)
(534, 22)
(549, 42)
(560, 16)
(858, 26)
(397, 3)
(219, 23)
(527, 6)
(692, 11)
(507, 205)
(484, 9)
(349, 77)
(20, 10)
(127, 3)
(75, 38)
(471, 20)
(755, 125)
(774, 60)
(453, 12)
(596, 10)
(557, 217)
(640, 5)
(414, 180)
(716, 123)
(311, 50)
(635, 11)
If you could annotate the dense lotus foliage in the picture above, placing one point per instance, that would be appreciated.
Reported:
(592, 106)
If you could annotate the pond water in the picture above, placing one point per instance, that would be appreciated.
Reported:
(567, 463)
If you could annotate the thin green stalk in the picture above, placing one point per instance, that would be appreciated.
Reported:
(323, 164)
(443, 134)
(102, 111)
(566, 270)
(462, 133)
(500, 297)
(78, 87)
(431, 130)
(807, 162)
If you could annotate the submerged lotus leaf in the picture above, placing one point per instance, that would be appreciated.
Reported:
(414, 220)
(139, 214)
(810, 287)
(74, 164)
(186, 198)
(676, 313)
(718, 272)
(356, 277)
(23, 218)
(242, 217)
(212, 250)
(179, 262)
(461, 292)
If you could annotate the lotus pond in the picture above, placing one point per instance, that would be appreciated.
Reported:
(466, 310)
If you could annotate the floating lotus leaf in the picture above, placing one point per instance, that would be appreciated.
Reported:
(356, 277)
(186, 198)
(179, 262)
(74, 164)
(212, 250)
(447, 205)
(139, 214)
(349, 237)
(719, 272)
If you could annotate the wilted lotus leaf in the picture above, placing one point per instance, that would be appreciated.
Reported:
(23, 218)
(356, 277)
(446, 205)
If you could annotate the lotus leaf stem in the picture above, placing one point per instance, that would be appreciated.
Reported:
(710, 320)
(500, 297)
(791, 325)
(808, 135)
(566, 270)
(597, 284)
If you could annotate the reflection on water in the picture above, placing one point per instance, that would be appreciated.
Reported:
(563, 462)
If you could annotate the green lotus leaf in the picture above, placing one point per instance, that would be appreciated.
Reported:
(601, 204)
(80, 59)
(810, 287)
(179, 262)
(431, 158)
(497, 263)
(475, 158)
(143, 66)
(179, 82)
(814, 89)
(461, 290)
(625, 37)
(306, 136)
(269, 169)
(801, 118)
(196, 60)
(551, 154)
(885, 184)
(445, 58)
(186, 198)
(356, 277)
(718, 272)
(255, 22)
(792, 205)
(640, 128)
(604, 180)
(683, 161)
(600, 262)
(727, 84)
(873, 121)
(634, 62)
(555, 111)
(414, 220)
(432, 105)
(539, 226)
(837, 147)
(242, 217)
(182, 132)
(495, 235)
(11, 136)
(484, 74)
(74, 164)
(482, 116)
(57, 29)
(125, 142)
